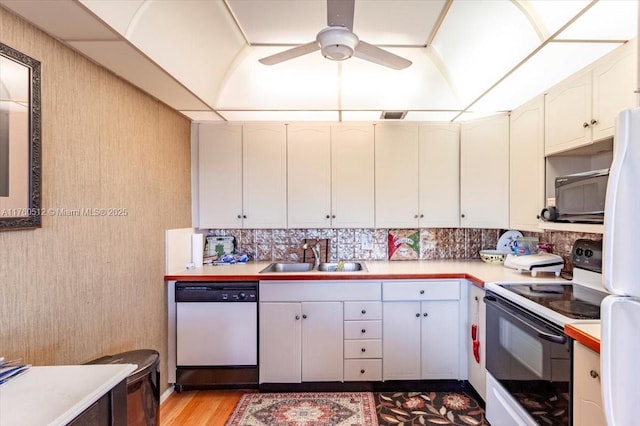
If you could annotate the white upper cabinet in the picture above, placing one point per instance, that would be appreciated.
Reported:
(417, 175)
(220, 175)
(309, 176)
(439, 175)
(264, 176)
(484, 173)
(396, 181)
(331, 176)
(352, 176)
(526, 163)
(582, 109)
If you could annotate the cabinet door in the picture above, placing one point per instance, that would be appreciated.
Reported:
(439, 171)
(220, 176)
(352, 176)
(477, 314)
(568, 114)
(440, 336)
(280, 342)
(587, 393)
(322, 338)
(613, 89)
(401, 340)
(526, 166)
(396, 181)
(309, 176)
(264, 176)
(484, 173)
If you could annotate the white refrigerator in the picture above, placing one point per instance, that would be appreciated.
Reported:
(620, 340)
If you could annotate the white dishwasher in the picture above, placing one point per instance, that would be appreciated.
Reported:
(216, 335)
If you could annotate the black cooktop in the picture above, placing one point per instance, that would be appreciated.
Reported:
(562, 298)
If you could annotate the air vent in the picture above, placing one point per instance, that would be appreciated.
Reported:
(393, 115)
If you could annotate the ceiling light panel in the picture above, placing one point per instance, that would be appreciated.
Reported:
(365, 85)
(280, 116)
(280, 21)
(552, 64)
(606, 20)
(478, 52)
(396, 22)
(194, 41)
(307, 82)
(552, 15)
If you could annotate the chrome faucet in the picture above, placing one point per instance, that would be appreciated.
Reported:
(316, 253)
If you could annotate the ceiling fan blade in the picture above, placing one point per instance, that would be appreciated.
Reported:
(340, 13)
(291, 53)
(372, 53)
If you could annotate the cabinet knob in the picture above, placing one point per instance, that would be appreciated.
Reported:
(421, 291)
(426, 314)
(594, 122)
(362, 371)
(363, 350)
(585, 125)
(594, 374)
(333, 216)
(363, 330)
(415, 216)
(304, 316)
(244, 216)
(364, 311)
(328, 217)
(239, 216)
(421, 215)
(297, 317)
(462, 215)
(418, 315)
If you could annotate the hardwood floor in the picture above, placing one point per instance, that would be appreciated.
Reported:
(201, 408)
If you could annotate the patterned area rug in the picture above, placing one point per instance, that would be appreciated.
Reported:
(428, 408)
(305, 409)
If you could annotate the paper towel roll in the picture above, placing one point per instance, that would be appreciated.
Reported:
(197, 249)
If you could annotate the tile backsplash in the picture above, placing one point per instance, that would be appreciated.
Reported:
(347, 244)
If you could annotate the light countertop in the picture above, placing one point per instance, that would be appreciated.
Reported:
(55, 395)
(476, 271)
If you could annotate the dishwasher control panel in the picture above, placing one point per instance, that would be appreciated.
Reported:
(242, 291)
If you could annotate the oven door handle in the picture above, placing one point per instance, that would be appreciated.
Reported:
(554, 338)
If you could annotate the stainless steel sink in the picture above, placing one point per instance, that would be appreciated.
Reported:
(342, 267)
(288, 267)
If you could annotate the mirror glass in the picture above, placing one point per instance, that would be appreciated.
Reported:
(20, 176)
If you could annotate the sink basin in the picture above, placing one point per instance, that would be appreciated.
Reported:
(288, 267)
(346, 267)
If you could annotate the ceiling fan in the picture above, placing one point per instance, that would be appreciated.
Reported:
(338, 42)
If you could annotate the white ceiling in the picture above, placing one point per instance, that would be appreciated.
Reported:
(470, 58)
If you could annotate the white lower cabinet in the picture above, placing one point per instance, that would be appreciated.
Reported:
(301, 342)
(303, 327)
(477, 316)
(363, 341)
(587, 391)
(421, 330)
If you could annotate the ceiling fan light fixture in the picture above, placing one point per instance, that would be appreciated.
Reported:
(337, 43)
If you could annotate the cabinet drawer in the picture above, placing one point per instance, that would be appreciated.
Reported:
(363, 348)
(362, 370)
(421, 290)
(362, 310)
(362, 330)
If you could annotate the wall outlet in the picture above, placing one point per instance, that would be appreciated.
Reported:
(366, 243)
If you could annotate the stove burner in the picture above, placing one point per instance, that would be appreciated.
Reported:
(577, 308)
